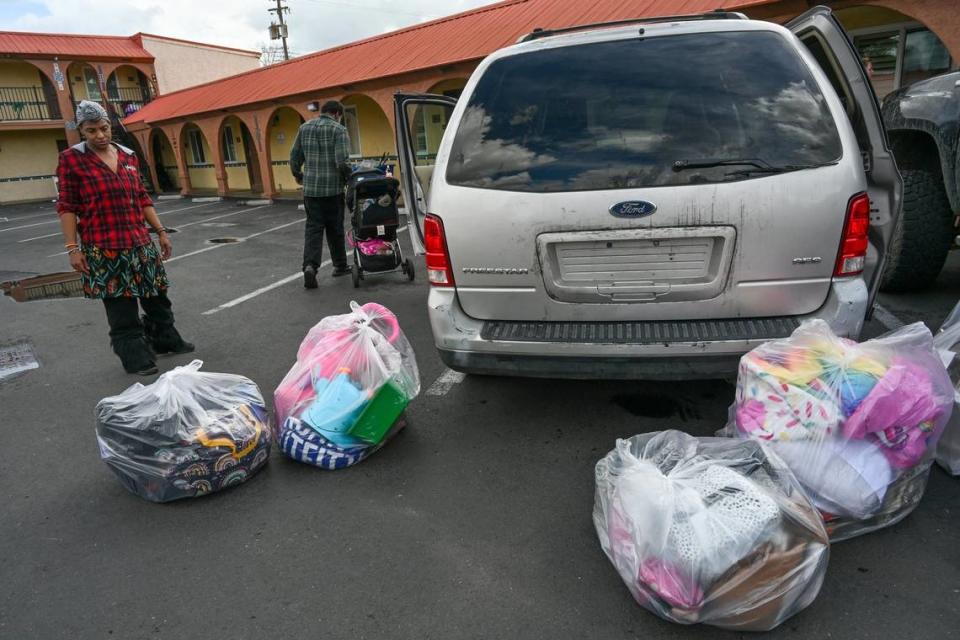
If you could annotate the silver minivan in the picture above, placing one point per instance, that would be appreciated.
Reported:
(649, 199)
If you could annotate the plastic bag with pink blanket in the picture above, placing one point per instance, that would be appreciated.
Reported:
(858, 423)
(341, 365)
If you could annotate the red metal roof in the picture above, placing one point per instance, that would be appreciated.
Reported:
(71, 46)
(471, 35)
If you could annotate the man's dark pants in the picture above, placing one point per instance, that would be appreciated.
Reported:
(324, 214)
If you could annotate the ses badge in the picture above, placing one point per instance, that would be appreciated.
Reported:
(633, 209)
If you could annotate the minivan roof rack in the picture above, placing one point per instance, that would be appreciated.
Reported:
(718, 14)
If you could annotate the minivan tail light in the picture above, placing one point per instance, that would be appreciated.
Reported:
(853, 244)
(439, 271)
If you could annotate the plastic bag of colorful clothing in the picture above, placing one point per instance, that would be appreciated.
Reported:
(188, 434)
(709, 530)
(858, 423)
(345, 396)
(948, 344)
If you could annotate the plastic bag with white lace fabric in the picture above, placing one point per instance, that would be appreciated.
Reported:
(709, 530)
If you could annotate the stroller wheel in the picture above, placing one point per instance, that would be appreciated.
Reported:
(355, 272)
(408, 269)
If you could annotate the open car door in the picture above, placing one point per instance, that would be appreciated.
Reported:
(421, 119)
(826, 39)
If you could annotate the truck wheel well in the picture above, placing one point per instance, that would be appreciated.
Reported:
(915, 150)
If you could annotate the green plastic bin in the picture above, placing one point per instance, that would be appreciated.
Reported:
(380, 413)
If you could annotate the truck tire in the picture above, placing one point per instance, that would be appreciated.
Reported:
(922, 237)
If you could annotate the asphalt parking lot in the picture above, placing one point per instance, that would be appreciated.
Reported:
(475, 522)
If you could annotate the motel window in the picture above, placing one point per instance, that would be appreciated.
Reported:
(899, 55)
(92, 83)
(196, 146)
(229, 149)
(352, 122)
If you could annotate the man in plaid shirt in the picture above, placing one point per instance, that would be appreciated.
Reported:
(318, 161)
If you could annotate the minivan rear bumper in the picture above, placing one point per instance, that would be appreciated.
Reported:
(691, 350)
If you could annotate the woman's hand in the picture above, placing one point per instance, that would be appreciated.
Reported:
(79, 262)
(166, 247)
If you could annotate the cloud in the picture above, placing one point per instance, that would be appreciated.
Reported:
(313, 24)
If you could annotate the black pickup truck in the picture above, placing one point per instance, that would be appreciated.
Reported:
(923, 124)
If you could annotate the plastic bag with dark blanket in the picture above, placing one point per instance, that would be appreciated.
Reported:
(188, 434)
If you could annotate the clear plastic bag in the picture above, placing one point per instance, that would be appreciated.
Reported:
(948, 344)
(709, 530)
(857, 423)
(354, 375)
(186, 435)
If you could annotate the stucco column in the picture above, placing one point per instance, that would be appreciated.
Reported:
(258, 123)
(64, 101)
(183, 174)
(211, 131)
(145, 139)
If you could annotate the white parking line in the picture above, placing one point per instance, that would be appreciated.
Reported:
(40, 224)
(239, 241)
(49, 235)
(887, 319)
(28, 226)
(225, 215)
(254, 294)
(445, 382)
(269, 287)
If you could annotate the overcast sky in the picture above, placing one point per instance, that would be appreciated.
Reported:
(314, 24)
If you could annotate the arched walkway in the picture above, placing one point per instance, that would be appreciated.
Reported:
(165, 162)
(198, 159)
(128, 89)
(240, 159)
(282, 128)
(452, 87)
(84, 83)
(371, 135)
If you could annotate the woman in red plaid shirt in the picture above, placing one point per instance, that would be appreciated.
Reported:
(102, 200)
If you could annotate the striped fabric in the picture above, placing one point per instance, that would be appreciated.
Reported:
(302, 443)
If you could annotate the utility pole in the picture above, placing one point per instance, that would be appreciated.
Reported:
(279, 31)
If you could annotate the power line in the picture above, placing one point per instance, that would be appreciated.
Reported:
(385, 9)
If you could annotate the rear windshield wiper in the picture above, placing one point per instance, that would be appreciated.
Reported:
(760, 166)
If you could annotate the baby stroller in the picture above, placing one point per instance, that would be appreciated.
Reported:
(372, 200)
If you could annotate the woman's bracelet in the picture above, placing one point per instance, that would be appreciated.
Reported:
(72, 251)
(71, 245)
(160, 230)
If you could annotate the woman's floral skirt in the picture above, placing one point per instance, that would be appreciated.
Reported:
(123, 273)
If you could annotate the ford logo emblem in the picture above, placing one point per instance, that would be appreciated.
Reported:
(633, 209)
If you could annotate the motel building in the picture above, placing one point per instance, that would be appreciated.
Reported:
(44, 76)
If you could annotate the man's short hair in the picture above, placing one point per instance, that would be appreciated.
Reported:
(332, 107)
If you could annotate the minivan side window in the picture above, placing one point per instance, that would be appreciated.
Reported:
(622, 114)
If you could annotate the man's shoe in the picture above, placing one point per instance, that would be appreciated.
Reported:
(341, 271)
(309, 277)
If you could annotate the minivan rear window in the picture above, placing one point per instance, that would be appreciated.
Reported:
(622, 114)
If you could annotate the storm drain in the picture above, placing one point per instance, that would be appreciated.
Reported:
(222, 240)
(16, 359)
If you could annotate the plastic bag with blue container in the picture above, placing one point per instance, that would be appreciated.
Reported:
(858, 423)
(345, 396)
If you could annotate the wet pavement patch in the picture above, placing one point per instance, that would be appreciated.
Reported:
(657, 406)
(222, 240)
(15, 359)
